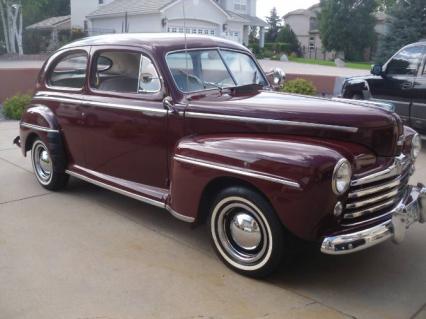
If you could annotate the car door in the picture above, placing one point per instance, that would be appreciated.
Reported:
(126, 123)
(396, 84)
(64, 92)
(418, 107)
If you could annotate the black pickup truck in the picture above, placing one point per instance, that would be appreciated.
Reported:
(401, 81)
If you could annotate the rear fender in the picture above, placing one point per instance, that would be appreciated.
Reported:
(38, 121)
(293, 175)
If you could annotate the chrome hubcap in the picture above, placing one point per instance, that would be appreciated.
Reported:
(245, 231)
(240, 231)
(42, 163)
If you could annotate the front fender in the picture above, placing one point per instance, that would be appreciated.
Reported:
(294, 175)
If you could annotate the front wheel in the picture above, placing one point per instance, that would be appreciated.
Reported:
(246, 233)
(45, 168)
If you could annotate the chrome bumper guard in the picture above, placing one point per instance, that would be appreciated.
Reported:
(410, 210)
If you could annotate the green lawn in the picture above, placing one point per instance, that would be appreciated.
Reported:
(352, 65)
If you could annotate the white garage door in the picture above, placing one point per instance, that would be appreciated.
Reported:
(191, 30)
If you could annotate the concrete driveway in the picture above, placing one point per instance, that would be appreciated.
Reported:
(89, 253)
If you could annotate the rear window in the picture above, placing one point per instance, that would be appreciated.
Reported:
(69, 71)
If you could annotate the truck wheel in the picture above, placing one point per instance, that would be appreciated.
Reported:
(245, 232)
(45, 169)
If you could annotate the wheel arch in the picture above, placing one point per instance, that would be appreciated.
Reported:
(214, 187)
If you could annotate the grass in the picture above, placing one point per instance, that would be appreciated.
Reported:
(351, 65)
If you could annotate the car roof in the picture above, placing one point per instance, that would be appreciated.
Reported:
(164, 41)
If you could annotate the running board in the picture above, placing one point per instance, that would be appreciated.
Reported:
(138, 197)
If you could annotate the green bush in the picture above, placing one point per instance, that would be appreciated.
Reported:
(14, 107)
(300, 86)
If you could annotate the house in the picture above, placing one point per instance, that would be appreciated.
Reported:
(230, 19)
(52, 25)
(305, 24)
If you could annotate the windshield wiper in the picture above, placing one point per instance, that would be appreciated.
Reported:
(215, 85)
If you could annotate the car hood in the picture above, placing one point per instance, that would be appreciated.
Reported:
(302, 115)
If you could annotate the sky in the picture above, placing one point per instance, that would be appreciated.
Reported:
(283, 6)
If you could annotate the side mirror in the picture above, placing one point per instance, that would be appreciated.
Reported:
(276, 77)
(377, 69)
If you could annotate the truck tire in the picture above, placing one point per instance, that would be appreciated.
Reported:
(245, 232)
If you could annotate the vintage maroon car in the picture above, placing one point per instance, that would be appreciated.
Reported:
(193, 127)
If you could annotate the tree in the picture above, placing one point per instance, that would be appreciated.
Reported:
(12, 24)
(406, 24)
(274, 22)
(287, 35)
(16, 14)
(347, 26)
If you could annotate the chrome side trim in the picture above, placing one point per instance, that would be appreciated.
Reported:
(269, 121)
(116, 189)
(181, 217)
(38, 128)
(58, 99)
(103, 104)
(132, 195)
(125, 107)
(238, 171)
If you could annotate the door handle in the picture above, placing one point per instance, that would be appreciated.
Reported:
(407, 85)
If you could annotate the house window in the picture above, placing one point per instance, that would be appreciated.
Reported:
(313, 24)
(101, 1)
(240, 5)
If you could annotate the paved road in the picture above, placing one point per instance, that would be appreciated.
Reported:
(311, 69)
(89, 253)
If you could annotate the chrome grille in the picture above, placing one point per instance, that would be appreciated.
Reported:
(372, 194)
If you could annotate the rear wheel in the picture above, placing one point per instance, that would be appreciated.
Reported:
(246, 233)
(45, 169)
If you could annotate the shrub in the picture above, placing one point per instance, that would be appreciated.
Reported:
(300, 86)
(14, 107)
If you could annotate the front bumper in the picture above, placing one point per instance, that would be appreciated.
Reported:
(409, 211)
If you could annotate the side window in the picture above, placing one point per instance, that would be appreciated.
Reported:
(124, 72)
(69, 71)
(405, 62)
(149, 81)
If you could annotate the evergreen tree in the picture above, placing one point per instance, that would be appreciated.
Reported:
(406, 24)
(274, 22)
(287, 35)
(347, 26)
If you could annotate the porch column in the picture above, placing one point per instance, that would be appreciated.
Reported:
(262, 37)
(246, 32)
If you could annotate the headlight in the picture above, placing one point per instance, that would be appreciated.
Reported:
(342, 175)
(416, 146)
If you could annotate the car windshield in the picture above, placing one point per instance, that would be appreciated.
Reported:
(198, 70)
